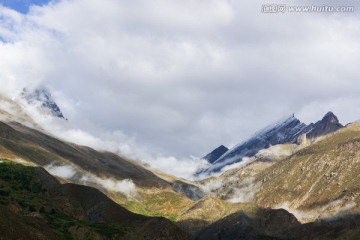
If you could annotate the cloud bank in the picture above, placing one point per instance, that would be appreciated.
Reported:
(163, 80)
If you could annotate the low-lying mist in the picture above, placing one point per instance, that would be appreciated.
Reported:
(72, 173)
(245, 192)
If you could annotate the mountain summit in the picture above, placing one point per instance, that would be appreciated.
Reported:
(42, 96)
(328, 124)
(330, 118)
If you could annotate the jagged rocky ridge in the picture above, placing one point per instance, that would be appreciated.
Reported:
(284, 131)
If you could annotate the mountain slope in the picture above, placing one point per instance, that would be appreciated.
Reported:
(35, 146)
(320, 180)
(264, 224)
(36, 206)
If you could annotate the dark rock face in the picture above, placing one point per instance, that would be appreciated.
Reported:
(285, 131)
(216, 154)
(43, 96)
(328, 124)
(188, 190)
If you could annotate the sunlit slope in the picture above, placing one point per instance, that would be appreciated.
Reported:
(322, 178)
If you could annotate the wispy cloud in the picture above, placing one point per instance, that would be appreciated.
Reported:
(65, 172)
(245, 192)
(68, 172)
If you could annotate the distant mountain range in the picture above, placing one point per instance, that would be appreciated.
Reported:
(287, 130)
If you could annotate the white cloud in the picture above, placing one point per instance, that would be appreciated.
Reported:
(72, 173)
(66, 172)
(176, 78)
(245, 192)
(125, 186)
(211, 185)
(183, 168)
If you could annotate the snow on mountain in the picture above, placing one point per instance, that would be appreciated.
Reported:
(42, 97)
(284, 131)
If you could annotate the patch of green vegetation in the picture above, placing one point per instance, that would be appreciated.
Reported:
(138, 208)
(144, 209)
(166, 198)
(20, 177)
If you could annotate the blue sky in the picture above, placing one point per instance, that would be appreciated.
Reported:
(22, 5)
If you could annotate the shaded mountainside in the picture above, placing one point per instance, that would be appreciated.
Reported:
(34, 205)
(279, 224)
(285, 131)
(216, 154)
(264, 224)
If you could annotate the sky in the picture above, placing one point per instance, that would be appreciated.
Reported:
(22, 6)
(168, 81)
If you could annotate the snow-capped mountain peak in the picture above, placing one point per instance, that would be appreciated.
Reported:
(287, 130)
(43, 97)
